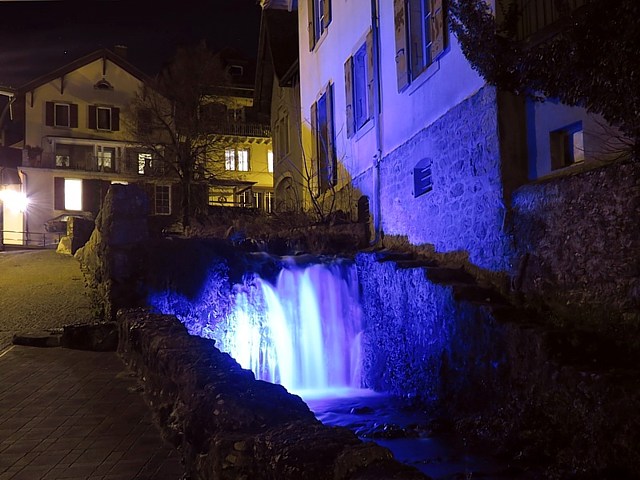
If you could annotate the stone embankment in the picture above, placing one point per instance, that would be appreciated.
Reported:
(229, 425)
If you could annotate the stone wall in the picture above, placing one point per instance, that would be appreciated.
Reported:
(560, 400)
(465, 210)
(227, 424)
(578, 244)
(112, 259)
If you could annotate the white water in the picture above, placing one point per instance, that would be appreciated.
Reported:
(302, 332)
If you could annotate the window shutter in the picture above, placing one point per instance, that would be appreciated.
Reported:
(400, 20)
(417, 40)
(115, 119)
(48, 114)
(91, 195)
(437, 28)
(73, 115)
(326, 14)
(370, 77)
(332, 173)
(58, 193)
(315, 157)
(348, 91)
(92, 120)
(310, 25)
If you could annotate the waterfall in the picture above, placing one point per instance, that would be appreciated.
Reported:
(302, 331)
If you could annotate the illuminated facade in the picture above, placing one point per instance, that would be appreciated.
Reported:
(76, 142)
(245, 175)
(392, 110)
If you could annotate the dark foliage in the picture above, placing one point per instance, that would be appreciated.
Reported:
(590, 57)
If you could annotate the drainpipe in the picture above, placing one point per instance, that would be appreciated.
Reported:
(377, 107)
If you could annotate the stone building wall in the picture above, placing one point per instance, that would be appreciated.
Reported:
(578, 242)
(560, 400)
(465, 210)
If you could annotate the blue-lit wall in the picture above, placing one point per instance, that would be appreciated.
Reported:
(465, 211)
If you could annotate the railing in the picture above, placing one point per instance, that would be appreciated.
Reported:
(242, 129)
(11, 238)
(537, 15)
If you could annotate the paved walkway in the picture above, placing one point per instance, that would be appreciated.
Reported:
(67, 414)
(70, 414)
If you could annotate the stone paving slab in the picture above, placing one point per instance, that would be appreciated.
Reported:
(77, 415)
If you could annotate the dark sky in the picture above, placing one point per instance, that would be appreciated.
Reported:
(37, 36)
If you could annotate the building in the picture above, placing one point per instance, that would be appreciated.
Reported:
(73, 130)
(243, 137)
(277, 98)
(392, 111)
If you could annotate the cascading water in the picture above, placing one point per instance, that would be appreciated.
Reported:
(303, 331)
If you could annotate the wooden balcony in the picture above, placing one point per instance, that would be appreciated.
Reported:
(538, 17)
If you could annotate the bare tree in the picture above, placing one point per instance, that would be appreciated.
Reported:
(172, 119)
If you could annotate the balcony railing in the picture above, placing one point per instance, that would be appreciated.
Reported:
(242, 129)
(539, 15)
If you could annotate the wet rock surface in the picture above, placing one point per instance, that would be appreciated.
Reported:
(231, 426)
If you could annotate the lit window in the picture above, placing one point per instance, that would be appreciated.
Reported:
(229, 159)
(243, 160)
(61, 115)
(103, 118)
(72, 194)
(270, 161)
(144, 162)
(62, 161)
(163, 200)
(567, 146)
(257, 200)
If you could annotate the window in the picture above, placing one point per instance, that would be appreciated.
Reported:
(245, 199)
(319, 16)
(243, 160)
(144, 162)
(567, 146)
(325, 164)
(236, 159)
(163, 200)
(72, 194)
(422, 180)
(104, 118)
(63, 115)
(420, 37)
(268, 202)
(229, 159)
(257, 200)
(106, 158)
(358, 71)
(270, 161)
(282, 134)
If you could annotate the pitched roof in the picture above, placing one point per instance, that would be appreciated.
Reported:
(82, 61)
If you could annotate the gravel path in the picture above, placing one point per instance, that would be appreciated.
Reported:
(40, 290)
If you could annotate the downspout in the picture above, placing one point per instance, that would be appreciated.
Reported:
(377, 107)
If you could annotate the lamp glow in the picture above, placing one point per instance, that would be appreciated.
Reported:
(14, 201)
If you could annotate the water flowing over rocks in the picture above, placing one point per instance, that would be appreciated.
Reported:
(231, 426)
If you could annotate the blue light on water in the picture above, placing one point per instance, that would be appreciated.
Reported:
(302, 331)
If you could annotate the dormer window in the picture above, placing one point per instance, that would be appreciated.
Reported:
(236, 70)
(103, 85)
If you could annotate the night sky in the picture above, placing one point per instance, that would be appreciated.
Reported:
(36, 36)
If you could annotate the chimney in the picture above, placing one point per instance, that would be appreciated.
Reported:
(120, 50)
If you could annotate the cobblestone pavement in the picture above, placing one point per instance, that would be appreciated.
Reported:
(67, 414)
(40, 290)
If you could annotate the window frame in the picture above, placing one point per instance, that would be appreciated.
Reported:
(56, 105)
(325, 167)
(427, 16)
(159, 200)
(319, 18)
(359, 86)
